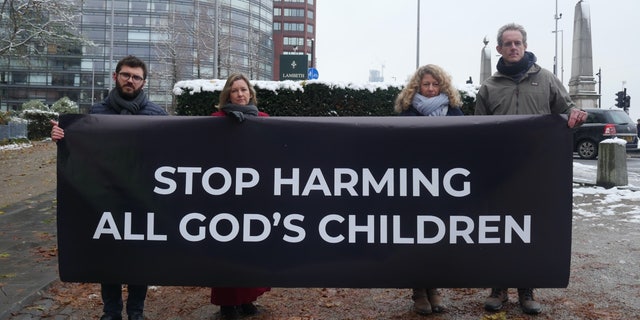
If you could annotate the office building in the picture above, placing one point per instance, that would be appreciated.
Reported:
(178, 39)
(294, 31)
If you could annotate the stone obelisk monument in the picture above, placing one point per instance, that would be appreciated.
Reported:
(582, 84)
(485, 61)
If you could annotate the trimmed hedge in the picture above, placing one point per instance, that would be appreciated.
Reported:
(309, 99)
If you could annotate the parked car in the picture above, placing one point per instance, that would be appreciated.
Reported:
(603, 124)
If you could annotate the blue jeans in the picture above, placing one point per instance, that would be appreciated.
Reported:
(112, 298)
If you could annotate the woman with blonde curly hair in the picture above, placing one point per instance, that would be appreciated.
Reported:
(429, 93)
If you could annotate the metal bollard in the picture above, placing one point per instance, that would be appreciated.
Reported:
(612, 163)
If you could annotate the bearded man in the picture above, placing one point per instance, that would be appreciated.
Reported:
(127, 98)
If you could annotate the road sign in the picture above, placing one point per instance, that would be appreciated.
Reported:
(292, 66)
(312, 74)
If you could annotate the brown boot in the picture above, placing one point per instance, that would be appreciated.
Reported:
(527, 303)
(435, 299)
(495, 300)
(421, 303)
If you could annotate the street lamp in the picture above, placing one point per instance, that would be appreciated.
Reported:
(313, 51)
(111, 49)
(562, 55)
(555, 58)
(418, 38)
(599, 74)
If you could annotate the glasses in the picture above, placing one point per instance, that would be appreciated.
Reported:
(125, 76)
(512, 43)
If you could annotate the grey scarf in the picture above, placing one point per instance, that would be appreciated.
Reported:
(432, 107)
(239, 112)
(124, 106)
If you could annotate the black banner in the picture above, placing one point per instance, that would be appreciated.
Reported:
(395, 202)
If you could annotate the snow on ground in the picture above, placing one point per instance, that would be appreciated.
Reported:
(14, 146)
(622, 203)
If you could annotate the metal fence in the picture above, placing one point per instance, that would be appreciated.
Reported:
(13, 130)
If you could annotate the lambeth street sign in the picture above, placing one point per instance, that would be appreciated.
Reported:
(293, 66)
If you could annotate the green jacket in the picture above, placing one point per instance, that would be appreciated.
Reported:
(538, 92)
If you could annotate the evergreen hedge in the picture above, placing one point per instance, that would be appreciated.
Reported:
(306, 99)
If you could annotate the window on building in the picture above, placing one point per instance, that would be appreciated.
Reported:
(294, 27)
(139, 36)
(138, 21)
(139, 5)
(293, 41)
(294, 12)
(18, 77)
(159, 7)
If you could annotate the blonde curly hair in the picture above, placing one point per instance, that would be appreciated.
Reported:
(404, 99)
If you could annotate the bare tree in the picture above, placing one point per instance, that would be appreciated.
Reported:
(256, 54)
(28, 26)
(187, 45)
(170, 48)
(203, 33)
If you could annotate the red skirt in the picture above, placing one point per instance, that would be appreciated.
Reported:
(235, 296)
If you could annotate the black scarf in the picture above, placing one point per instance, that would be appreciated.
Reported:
(124, 106)
(239, 112)
(517, 70)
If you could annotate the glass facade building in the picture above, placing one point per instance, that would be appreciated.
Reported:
(178, 39)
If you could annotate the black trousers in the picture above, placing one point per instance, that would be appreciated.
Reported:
(112, 298)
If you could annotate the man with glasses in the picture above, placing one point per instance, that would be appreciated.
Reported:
(522, 87)
(127, 98)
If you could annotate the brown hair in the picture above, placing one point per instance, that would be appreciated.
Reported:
(132, 62)
(226, 91)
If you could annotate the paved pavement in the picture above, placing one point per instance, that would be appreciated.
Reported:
(28, 264)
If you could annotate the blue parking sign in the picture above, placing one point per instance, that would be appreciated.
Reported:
(312, 74)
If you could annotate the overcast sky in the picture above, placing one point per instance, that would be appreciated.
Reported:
(354, 36)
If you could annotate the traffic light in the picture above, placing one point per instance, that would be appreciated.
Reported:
(627, 102)
(620, 97)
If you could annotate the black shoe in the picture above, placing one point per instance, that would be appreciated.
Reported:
(229, 313)
(107, 316)
(136, 316)
(249, 309)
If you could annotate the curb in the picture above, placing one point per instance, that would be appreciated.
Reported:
(27, 229)
(27, 300)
